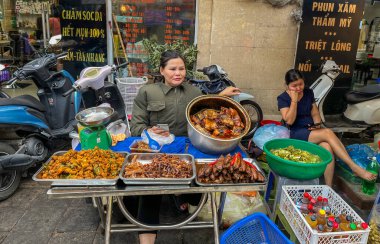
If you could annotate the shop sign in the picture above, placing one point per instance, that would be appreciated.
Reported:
(83, 28)
(329, 31)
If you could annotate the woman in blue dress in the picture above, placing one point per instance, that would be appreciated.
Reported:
(300, 112)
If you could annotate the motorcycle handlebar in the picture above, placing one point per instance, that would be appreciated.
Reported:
(10, 82)
(62, 54)
(122, 65)
(68, 92)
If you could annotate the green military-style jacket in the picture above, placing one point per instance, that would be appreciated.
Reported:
(161, 104)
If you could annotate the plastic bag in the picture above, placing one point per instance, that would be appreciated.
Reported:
(361, 154)
(269, 132)
(162, 140)
(236, 207)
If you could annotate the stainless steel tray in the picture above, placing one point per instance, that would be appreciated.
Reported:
(146, 158)
(76, 182)
(207, 160)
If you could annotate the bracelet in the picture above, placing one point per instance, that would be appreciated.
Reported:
(294, 102)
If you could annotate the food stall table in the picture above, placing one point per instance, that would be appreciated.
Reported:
(118, 191)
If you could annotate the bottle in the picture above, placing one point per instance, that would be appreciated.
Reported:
(321, 217)
(353, 226)
(369, 187)
(312, 208)
(329, 226)
(319, 202)
(303, 203)
(325, 206)
(342, 218)
(312, 220)
(321, 228)
(335, 227)
(337, 220)
(345, 226)
(361, 226)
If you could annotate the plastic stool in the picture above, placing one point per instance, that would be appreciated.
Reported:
(282, 181)
(284, 222)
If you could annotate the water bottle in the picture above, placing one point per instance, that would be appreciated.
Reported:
(369, 187)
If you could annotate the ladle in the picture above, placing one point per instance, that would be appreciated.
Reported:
(153, 144)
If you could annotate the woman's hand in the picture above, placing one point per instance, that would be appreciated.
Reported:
(293, 95)
(159, 131)
(230, 91)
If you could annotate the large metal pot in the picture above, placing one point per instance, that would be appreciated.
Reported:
(208, 144)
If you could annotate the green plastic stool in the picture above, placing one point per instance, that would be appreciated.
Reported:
(284, 222)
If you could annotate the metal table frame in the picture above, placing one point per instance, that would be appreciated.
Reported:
(117, 192)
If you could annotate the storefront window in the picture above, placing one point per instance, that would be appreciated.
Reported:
(163, 21)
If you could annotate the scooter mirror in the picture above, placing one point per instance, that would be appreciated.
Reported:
(55, 39)
(2, 67)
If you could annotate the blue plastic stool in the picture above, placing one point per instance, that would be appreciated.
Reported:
(254, 229)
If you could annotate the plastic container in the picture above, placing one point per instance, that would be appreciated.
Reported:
(129, 88)
(133, 148)
(296, 170)
(255, 228)
(268, 121)
(304, 233)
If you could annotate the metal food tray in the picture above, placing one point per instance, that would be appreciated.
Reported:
(76, 182)
(202, 161)
(146, 158)
(136, 150)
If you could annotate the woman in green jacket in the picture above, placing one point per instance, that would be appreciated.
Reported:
(164, 103)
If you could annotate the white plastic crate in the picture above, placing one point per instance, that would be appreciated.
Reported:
(129, 88)
(304, 233)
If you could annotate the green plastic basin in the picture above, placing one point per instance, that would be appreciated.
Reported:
(296, 170)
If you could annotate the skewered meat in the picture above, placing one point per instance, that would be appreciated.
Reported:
(224, 123)
(229, 169)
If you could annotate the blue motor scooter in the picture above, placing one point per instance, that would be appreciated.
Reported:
(29, 125)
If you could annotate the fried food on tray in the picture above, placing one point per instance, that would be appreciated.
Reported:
(116, 138)
(141, 145)
(86, 164)
(162, 166)
(224, 123)
(229, 169)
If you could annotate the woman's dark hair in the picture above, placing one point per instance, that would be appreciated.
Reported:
(293, 75)
(168, 55)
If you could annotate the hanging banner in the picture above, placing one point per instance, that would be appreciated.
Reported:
(329, 31)
(83, 27)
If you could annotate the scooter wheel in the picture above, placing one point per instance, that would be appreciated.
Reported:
(9, 180)
(255, 113)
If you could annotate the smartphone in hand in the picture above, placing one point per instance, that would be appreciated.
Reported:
(163, 126)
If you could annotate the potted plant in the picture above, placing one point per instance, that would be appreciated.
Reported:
(188, 52)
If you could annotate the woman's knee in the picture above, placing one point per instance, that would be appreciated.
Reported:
(327, 146)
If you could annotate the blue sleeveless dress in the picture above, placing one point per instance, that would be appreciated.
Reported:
(299, 129)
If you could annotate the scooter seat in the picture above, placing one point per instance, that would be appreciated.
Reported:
(354, 97)
(23, 100)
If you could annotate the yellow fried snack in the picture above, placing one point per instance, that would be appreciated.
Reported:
(118, 137)
(86, 164)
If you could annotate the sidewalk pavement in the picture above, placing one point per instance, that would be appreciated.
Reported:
(30, 217)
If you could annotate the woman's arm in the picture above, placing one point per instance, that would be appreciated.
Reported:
(316, 115)
(140, 114)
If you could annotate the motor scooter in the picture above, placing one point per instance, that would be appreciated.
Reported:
(363, 105)
(31, 129)
(218, 81)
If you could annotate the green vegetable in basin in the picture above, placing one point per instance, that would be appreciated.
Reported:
(296, 155)
(297, 170)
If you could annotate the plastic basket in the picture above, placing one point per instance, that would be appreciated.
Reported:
(304, 233)
(129, 87)
(255, 228)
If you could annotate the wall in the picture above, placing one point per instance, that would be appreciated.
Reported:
(253, 41)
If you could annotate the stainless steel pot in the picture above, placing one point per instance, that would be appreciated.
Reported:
(205, 143)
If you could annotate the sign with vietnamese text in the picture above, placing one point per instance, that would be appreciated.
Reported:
(329, 31)
(83, 29)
